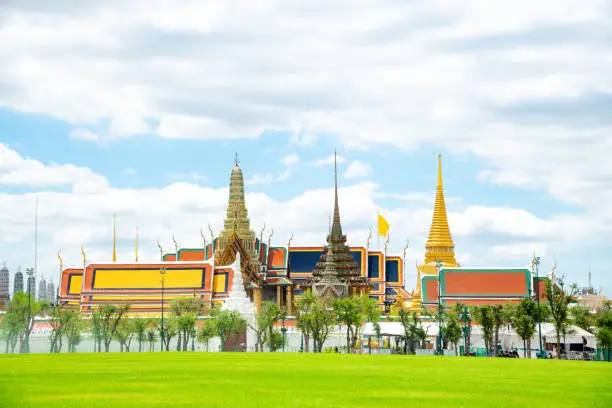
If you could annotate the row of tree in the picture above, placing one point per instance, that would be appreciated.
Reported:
(316, 318)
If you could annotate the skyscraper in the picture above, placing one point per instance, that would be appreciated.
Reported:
(4, 286)
(31, 289)
(42, 289)
(18, 284)
(51, 292)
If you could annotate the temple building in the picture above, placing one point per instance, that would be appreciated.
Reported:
(281, 273)
(270, 273)
(440, 279)
(336, 274)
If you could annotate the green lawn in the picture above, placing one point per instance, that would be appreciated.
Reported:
(268, 380)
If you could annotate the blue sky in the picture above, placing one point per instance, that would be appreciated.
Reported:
(113, 109)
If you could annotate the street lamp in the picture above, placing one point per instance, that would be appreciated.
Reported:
(466, 319)
(162, 272)
(536, 264)
(439, 340)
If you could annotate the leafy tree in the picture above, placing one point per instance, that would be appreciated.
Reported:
(275, 340)
(453, 331)
(413, 329)
(320, 320)
(186, 310)
(125, 333)
(501, 315)
(371, 313)
(169, 329)
(348, 312)
(206, 332)
(524, 322)
(151, 335)
(264, 323)
(107, 320)
(72, 327)
(583, 317)
(10, 328)
(227, 324)
(559, 299)
(304, 306)
(140, 331)
(55, 338)
(21, 311)
(603, 322)
(484, 317)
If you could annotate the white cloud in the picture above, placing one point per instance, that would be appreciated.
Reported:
(24, 172)
(83, 134)
(329, 160)
(269, 178)
(358, 169)
(430, 77)
(290, 159)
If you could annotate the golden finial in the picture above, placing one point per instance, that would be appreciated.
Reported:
(84, 255)
(418, 282)
(61, 261)
(161, 251)
(387, 243)
(203, 241)
(212, 235)
(405, 249)
(176, 247)
(290, 240)
(236, 162)
(261, 233)
(270, 237)
(368, 240)
(115, 237)
(136, 246)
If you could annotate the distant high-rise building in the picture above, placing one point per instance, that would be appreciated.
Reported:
(31, 289)
(51, 292)
(42, 289)
(18, 283)
(4, 286)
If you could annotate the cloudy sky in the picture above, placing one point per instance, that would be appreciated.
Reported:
(137, 108)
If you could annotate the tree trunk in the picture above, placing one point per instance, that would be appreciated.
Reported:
(558, 343)
(495, 352)
(306, 342)
(178, 342)
(107, 346)
(348, 339)
(524, 348)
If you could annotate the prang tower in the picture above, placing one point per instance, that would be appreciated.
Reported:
(336, 275)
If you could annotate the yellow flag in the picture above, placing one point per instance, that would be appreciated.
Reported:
(383, 226)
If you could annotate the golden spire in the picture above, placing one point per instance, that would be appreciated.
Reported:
(439, 245)
(61, 261)
(114, 237)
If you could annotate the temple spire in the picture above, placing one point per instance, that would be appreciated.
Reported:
(336, 229)
(440, 244)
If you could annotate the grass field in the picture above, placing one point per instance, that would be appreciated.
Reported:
(297, 380)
